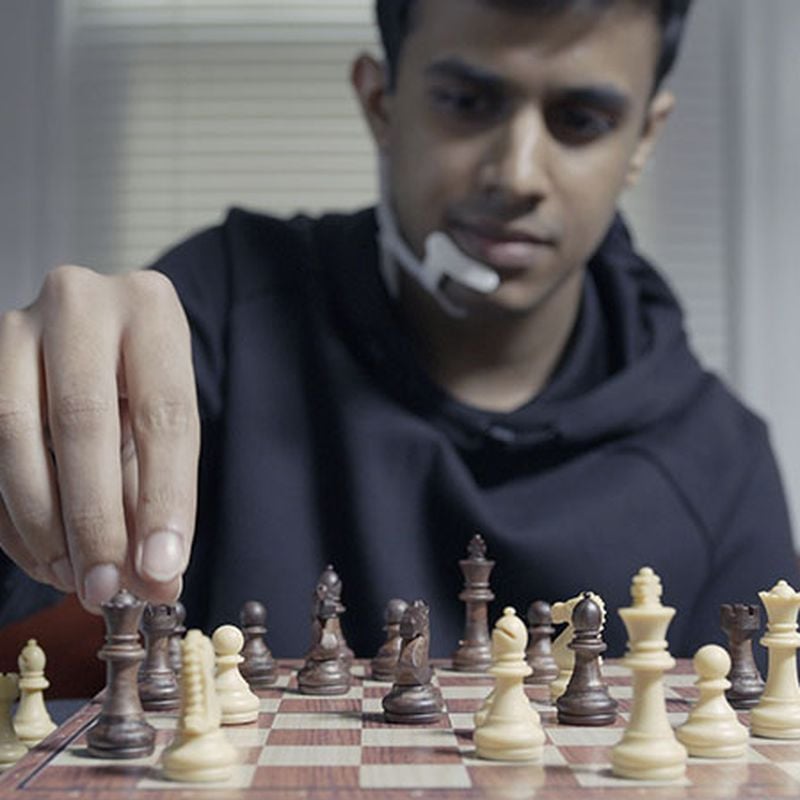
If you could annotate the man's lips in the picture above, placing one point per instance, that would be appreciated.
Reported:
(503, 248)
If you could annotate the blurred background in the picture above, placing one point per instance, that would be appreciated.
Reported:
(128, 124)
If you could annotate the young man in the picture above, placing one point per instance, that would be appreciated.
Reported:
(486, 354)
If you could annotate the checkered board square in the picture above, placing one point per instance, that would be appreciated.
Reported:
(340, 747)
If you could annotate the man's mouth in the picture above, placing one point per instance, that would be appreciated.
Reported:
(501, 247)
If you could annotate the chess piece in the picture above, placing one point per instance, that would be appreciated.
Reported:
(32, 722)
(539, 654)
(384, 664)
(740, 623)
(331, 586)
(562, 654)
(11, 748)
(258, 668)
(777, 715)
(413, 699)
(510, 730)
(237, 703)
(648, 749)
(586, 700)
(121, 730)
(326, 669)
(176, 637)
(474, 653)
(713, 730)
(158, 686)
(200, 751)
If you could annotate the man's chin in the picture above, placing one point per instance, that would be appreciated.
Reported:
(510, 299)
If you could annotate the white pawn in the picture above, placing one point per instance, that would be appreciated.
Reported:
(510, 729)
(713, 730)
(237, 702)
(200, 751)
(11, 748)
(32, 722)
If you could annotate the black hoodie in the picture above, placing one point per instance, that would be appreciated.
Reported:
(325, 442)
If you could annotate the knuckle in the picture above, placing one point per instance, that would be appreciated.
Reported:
(92, 527)
(66, 285)
(152, 289)
(78, 414)
(164, 416)
(17, 420)
(163, 498)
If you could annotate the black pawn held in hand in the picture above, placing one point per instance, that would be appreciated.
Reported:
(586, 700)
(121, 730)
(258, 668)
(741, 623)
(413, 699)
(384, 665)
(539, 654)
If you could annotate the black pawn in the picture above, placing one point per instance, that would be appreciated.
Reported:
(176, 637)
(586, 700)
(741, 623)
(258, 668)
(121, 730)
(384, 665)
(158, 688)
(539, 653)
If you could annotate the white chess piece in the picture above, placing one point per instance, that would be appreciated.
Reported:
(511, 730)
(713, 730)
(200, 751)
(648, 749)
(777, 715)
(32, 722)
(236, 700)
(563, 655)
(11, 748)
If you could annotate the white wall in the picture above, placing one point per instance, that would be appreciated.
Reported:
(30, 231)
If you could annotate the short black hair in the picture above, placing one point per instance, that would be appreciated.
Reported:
(394, 21)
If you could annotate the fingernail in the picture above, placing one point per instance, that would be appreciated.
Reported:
(162, 557)
(62, 569)
(100, 584)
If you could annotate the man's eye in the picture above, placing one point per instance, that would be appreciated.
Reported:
(463, 102)
(579, 125)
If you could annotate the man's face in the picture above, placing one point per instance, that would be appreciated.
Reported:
(515, 133)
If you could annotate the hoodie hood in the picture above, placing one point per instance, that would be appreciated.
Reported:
(627, 364)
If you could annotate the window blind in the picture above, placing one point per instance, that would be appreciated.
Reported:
(181, 108)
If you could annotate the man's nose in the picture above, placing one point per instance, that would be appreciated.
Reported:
(515, 169)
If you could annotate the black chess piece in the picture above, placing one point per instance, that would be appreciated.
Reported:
(258, 668)
(331, 584)
(384, 665)
(121, 730)
(326, 669)
(539, 654)
(741, 622)
(474, 652)
(586, 700)
(176, 637)
(413, 699)
(158, 687)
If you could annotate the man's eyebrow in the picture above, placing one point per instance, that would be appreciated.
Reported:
(457, 69)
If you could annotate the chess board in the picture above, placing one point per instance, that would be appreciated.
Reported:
(340, 747)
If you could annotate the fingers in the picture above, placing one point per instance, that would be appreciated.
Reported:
(80, 354)
(164, 422)
(27, 477)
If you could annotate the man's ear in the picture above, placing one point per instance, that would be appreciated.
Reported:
(369, 79)
(657, 114)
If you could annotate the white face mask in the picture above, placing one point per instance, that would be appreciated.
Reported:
(443, 259)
